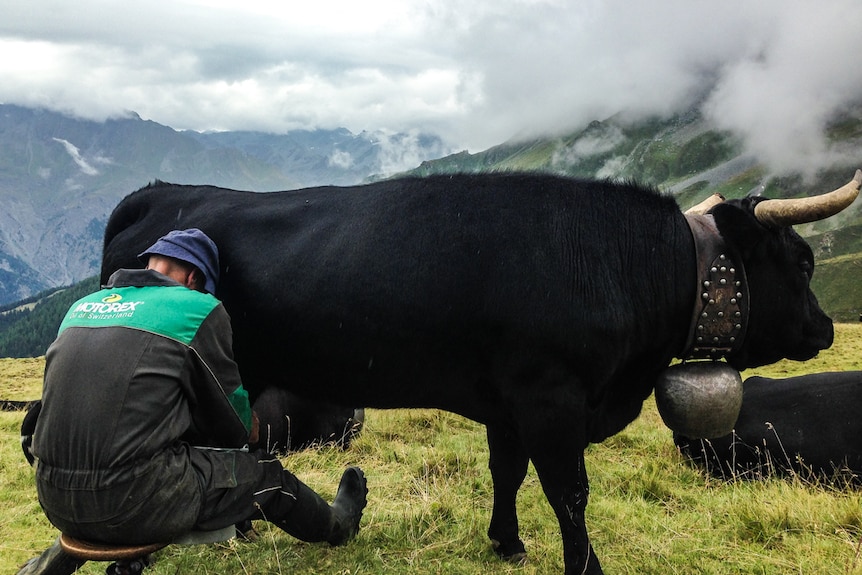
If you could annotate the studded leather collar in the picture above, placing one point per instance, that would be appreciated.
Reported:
(720, 315)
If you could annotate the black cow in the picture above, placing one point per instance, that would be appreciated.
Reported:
(543, 307)
(289, 422)
(807, 425)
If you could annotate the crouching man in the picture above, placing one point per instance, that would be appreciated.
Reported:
(144, 418)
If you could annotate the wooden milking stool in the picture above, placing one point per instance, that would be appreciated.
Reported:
(132, 559)
(125, 560)
(70, 553)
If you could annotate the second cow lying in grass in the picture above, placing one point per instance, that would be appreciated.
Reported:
(807, 425)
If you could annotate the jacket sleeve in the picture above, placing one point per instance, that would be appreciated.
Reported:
(221, 413)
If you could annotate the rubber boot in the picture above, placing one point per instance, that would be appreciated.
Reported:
(52, 561)
(312, 519)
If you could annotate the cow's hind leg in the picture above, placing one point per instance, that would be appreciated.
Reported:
(555, 445)
(508, 464)
(567, 492)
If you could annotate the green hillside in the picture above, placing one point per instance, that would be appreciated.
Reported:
(836, 283)
(657, 152)
(683, 155)
(28, 327)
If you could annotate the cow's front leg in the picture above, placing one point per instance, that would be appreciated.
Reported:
(508, 464)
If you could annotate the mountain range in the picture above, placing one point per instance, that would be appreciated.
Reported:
(60, 177)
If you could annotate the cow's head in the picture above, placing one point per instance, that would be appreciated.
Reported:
(785, 320)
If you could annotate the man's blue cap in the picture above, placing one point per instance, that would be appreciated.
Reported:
(191, 246)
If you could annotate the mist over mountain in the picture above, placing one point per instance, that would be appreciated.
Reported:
(686, 154)
(61, 176)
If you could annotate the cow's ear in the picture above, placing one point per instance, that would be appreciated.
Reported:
(738, 226)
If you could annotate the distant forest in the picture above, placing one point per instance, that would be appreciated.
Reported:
(28, 327)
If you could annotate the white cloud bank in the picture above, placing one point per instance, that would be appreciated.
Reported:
(774, 71)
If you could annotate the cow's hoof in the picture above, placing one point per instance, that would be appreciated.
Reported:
(513, 553)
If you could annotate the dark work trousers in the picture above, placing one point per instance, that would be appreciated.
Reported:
(180, 490)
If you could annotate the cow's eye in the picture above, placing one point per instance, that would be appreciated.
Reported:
(807, 268)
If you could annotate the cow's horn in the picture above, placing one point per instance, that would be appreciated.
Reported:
(705, 205)
(803, 210)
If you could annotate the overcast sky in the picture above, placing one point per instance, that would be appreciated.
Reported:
(476, 72)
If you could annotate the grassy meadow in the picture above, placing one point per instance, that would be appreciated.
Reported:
(430, 502)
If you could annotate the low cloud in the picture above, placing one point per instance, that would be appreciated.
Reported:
(600, 140)
(774, 71)
(75, 154)
(340, 159)
(402, 151)
(781, 97)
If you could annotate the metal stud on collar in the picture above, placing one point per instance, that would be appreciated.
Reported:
(720, 322)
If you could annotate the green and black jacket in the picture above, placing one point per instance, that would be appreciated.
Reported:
(137, 367)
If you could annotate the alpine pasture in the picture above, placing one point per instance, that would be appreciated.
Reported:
(430, 502)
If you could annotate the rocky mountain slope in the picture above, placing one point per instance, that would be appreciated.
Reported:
(60, 177)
